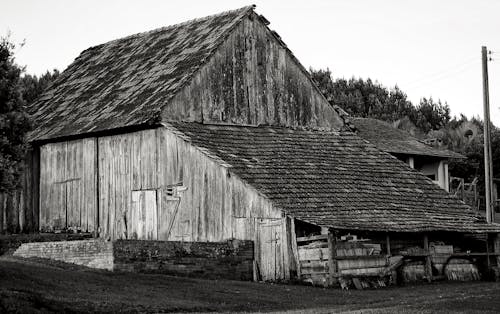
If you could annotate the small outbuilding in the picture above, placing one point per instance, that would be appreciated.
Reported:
(431, 161)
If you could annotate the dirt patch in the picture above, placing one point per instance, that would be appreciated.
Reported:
(40, 287)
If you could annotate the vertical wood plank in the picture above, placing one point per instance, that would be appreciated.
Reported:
(152, 212)
(44, 193)
(388, 244)
(332, 258)
(295, 251)
(35, 197)
(496, 249)
(285, 249)
(428, 265)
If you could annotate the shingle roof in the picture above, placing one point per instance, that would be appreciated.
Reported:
(127, 81)
(389, 139)
(334, 179)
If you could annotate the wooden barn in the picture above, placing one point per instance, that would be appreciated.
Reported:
(212, 130)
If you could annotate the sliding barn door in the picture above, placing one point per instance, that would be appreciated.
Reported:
(68, 192)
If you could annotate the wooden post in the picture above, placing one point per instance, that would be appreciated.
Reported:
(488, 170)
(488, 262)
(388, 244)
(256, 251)
(332, 262)
(496, 249)
(295, 250)
(428, 265)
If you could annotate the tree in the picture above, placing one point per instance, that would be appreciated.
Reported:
(369, 99)
(432, 115)
(32, 86)
(365, 99)
(14, 122)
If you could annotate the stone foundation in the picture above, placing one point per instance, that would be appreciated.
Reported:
(228, 260)
(91, 253)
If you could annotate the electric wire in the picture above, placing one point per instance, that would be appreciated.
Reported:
(446, 73)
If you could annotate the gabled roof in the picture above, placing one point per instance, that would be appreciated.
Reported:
(391, 140)
(126, 82)
(333, 179)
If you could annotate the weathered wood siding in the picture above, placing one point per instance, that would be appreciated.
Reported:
(153, 184)
(68, 197)
(19, 209)
(127, 163)
(215, 205)
(252, 79)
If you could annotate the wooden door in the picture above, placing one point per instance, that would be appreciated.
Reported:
(270, 257)
(143, 221)
(168, 208)
(68, 196)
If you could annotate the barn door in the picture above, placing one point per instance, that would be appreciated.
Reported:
(68, 196)
(270, 257)
(143, 223)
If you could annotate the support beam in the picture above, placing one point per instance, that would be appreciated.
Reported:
(488, 261)
(295, 250)
(496, 248)
(411, 161)
(428, 265)
(388, 245)
(332, 261)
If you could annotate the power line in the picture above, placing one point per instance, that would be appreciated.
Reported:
(443, 74)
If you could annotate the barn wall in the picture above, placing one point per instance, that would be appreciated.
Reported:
(148, 171)
(68, 185)
(155, 185)
(252, 79)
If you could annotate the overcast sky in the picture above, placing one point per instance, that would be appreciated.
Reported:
(428, 48)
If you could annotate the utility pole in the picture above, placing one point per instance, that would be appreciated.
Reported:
(488, 168)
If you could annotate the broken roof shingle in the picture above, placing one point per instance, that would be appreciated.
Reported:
(334, 179)
(391, 140)
(128, 81)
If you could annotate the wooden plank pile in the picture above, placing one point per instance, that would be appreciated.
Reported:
(355, 263)
(313, 259)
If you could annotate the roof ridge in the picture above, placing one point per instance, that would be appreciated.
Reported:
(261, 126)
(168, 27)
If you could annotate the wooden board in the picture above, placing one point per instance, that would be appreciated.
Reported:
(252, 79)
(362, 263)
(272, 250)
(311, 254)
(68, 193)
(213, 204)
(144, 213)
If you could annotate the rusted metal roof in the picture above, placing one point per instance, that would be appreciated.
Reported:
(334, 179)
(127, 82)
(391, 140)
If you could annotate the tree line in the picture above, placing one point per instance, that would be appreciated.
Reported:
(358, 97)
(428, 119)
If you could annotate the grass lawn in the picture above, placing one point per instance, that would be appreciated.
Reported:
(28, 286)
